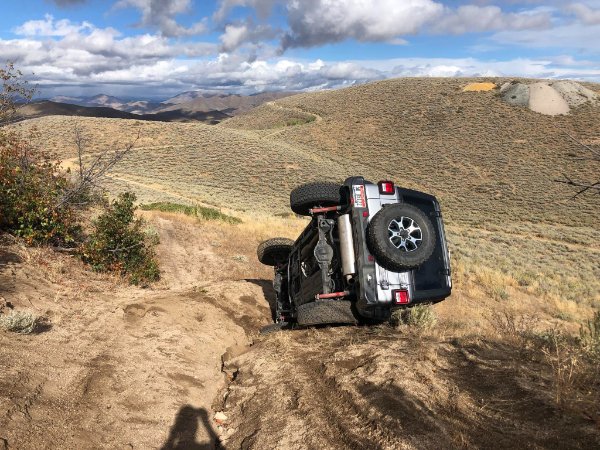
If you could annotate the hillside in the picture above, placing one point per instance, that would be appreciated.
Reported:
(49, 108)
(525, 272)
(231, 104)
(491, 164)
(186, 102)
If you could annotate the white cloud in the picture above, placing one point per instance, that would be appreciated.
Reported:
(71, 51)
(236, 35)
(585, 13)
(262, 7)
(49, 27)
(316, 22)
(67, 55)
(160, 15)
(570, 36)
(472, 18)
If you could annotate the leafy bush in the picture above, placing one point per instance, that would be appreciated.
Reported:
(119, 244)
(31, 192)
(14, 89)
(201, 212)
(23, 322)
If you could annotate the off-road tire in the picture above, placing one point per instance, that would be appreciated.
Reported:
(323, 312)
(274, 250)
(310, 195)
(386, 254)
(274, 328)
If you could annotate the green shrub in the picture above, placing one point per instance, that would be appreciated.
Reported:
(23, 322)
(31, 191)
(119, 244)
(201, 212)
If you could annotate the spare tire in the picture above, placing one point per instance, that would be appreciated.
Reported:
(321, 193)
(323, 312)
(401, 237)
(273, 251)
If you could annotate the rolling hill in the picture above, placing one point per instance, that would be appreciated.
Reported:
(187, 102)
(491, 164)
(501, 367)
(49, 108)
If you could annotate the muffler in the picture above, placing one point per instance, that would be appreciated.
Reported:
(347, 246)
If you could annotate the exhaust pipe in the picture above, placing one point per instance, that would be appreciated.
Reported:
(347, 246)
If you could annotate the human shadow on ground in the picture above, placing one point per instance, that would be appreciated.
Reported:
(182, 435)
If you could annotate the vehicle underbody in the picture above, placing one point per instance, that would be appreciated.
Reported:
(368, 249)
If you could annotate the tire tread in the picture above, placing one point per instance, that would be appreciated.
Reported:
(268, 248)
(322, 193)
(323, 312)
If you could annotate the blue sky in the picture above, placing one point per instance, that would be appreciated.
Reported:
(157, 48)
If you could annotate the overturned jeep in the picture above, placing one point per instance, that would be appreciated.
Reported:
(368, 249)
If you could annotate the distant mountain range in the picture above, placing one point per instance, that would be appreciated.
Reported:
(49, 108)
(232, 104)
(185, 106)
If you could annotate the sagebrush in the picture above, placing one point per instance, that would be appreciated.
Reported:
(23, 322)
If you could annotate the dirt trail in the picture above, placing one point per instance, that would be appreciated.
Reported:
(131, 368)
(376, 388)
(123, 367)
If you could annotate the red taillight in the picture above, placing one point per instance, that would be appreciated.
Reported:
(387, 187)
(401, 297)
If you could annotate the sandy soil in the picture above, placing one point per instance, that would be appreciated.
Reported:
(181, 366)
(121, 367)
(378, 388)
(546, 100)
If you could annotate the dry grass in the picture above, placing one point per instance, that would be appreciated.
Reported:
(518, 241)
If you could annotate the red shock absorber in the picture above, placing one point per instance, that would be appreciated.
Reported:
(332, 295)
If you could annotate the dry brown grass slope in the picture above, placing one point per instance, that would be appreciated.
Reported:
(492, 166)
(123, 362)
(482, 157)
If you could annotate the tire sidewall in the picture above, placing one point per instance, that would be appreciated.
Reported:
(382, 248)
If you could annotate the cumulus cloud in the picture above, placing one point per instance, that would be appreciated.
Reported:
(160, 15)
(472, 18)
(239, 34)
(149, 66)
(262, 7)
(49, 27)
(67, 55)
(80, 51)
(316, 22)
(585, 13)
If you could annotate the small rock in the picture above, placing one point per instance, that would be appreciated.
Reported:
(220, 417)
